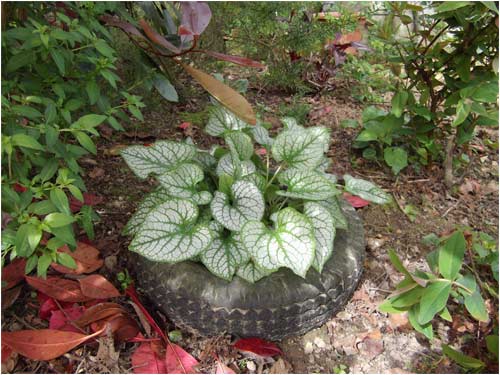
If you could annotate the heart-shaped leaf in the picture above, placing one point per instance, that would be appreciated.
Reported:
(333, 206)
(224, 255)
(157, 159)
(227, 165)
(255, 179)
(222, 120)
(366, 190)
(261, 135)
(247, 204)
(301, 147)
(251, 273)
(306, 184)
(169, 233)
(151, 201)
(290, 244)
(181, 183)
(324, 232)
(240, 143)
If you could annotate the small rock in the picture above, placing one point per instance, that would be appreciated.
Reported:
(251, 366)
(375, 243)
(319, 343)
(308, 347)
(110, 262)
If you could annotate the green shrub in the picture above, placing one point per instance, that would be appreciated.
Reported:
(233, 211)
(58, 86)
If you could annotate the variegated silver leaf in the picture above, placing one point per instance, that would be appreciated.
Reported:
(366, 190)
(251, 273)
(169, 233)
(224, 255)
(306, 184)
(240, 144)
(324, 232)
(226, 166)
(261, 135)
(291, 244)
(181, 182)
(290, 123)
(205, 159)
(222, 120)
(333, 206)
(151, 201)
(257, 179)
(247, 204)
(158, 158)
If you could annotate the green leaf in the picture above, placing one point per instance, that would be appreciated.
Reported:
(165, 88)
(86, 221)
(256, 179)
(434, 300)
(366, 190)
(290, 244)
(463, 67)
(398, 265)
(58, 59)
(31, 263)
(324, 232)
(349, 123)
(136, 112)
(66, 260)
(245, 204)
(492, 344)
(408, 298)
(93, 91)
(398, 103)
(49, 170)
(28, 237)
(387, 307)
(226, 165)
(333, 206)
(18, 61)
(151, 201)
(261, 135)
(76, 192)
(463, 111)
(396, 158)
(251, 273)
(42, 207)
(486, 93)
(240, 143)
(24, 140)
(169, 233)
(491, 6)
(306, 184)
(445, 314)
(451, 255)
(86, 142)
(474, 304)
(463, 360)
(225, 182)
(65, 234)
(157, 159)
(89, 121)
(300, 147)
(181, 182)
(425, 329)
(44, 263)
(102, 47)
(115, 124)
(224, 255)
(58, 219)
(452, 5)
(60, 200)
(222, 120)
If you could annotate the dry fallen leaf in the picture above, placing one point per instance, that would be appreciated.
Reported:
(280, 367)
(96, 172)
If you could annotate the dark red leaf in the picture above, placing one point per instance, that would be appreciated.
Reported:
(61, 319)
(19, 188)
(10, 296)
(44, 344)
(355, 201)
(121, 326)
(87, 258)
(88, 199)
(178, 361)
(13, 273)
(99, 312)
(98, 287)
(146, 361)
(58, 288)
(195, 17)
(258, 346)
(244, 61)
(6, 353)
(125, 26)
(157, 38)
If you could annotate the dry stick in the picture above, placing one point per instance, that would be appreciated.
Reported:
(448, 161)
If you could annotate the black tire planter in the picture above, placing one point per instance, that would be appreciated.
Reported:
(277, 306)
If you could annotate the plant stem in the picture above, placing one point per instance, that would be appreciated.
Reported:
(274, 176)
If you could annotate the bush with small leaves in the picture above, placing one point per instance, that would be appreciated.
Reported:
(236, 212)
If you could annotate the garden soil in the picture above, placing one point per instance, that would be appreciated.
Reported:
(359, 339)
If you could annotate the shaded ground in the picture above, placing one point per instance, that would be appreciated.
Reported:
(359, 339)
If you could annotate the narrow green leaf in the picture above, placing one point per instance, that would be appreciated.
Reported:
(445, 314)
(44, 263)
(387, 307)
(31, 263)
(93, 91)
(86, 142)
(66, 260)
(165, 88)
(58, 59)
(425, 329)
(451, 255)
(58, 219)
(24, 140)
(463, 360)
(474, 304)
(434, 300)
(398, 103)
(60, 200)
(452, 5)
(492, 344)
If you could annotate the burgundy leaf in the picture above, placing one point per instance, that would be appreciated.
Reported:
(244, 61)
(258, 346)
(61, 319)
(13, 274)
(195, 17)
(125, 26)
(88, 199)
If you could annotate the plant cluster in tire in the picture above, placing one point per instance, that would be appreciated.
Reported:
(239, 211)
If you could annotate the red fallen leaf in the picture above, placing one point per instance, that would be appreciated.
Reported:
(140, 338)
(19, 188)
(244, 61)
(258, 346)
(87, 259)
(6, 353)
(48, 304)
(146, 361)
(58, 288)
(223, 369)
(122, 326)
(178, 361)
(61, 319)
(10, 296)
(96, 286)
(88, 199)
(13, 274)
(98, 312)
(184, 125)
(147, 144)
(44, 344)
(261, 151)
(355, 201)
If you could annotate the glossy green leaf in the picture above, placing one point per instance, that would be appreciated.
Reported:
(28, 237)
(58, 219)
(24, 140)
(451, 255)
(425, 329)
(433, 300)
(60, 200)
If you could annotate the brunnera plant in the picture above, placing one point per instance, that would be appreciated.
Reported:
(237, 212)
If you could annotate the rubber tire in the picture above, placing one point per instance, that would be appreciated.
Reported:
(277, 306)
